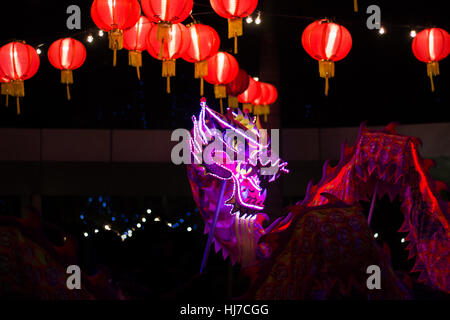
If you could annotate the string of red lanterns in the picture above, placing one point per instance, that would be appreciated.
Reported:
(325, 41)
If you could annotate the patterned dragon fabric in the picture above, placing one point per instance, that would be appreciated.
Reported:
(32, 267)
(324, 246)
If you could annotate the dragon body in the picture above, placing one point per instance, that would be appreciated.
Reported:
(323, 247)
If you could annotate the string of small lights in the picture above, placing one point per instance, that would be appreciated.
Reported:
(99, 216)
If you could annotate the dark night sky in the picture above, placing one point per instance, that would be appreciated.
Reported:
(380, 81)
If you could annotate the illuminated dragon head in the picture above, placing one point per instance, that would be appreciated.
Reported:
(232, 149)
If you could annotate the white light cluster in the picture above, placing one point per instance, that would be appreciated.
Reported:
(139, 225)
(257, 20)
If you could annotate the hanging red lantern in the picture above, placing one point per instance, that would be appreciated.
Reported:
(135, 41)
(18, 62)
(223, 68)
(431, 46)
(204, 43)
(67, 55)
(237, 87)
(326, 42)
(273, 97)
(250, 95)
(168, 51)
(166, 13)
(234, 11)
(262, 100)
(269, 96)
(115, 17)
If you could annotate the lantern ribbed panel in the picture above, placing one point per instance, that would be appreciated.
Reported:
(135, 38)
(265, 95)
(325, 40)
(118, 14)
(431, 45)
(222, 69)
(18, 61)
(67, 54)
(239, 85)
(168, 11)
(252, 93)
(204, 43)
(231, 9)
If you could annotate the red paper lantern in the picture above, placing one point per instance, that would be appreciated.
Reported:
(269, 95)
(234, 11)
(431, 46)
(237, 87)
(204, 43)
(327, 42)
(223, 68)
(262, 100)
(168, 51)
(135, 41)
(67, 55)
(115, 17)
(250, 95)
(18, 62)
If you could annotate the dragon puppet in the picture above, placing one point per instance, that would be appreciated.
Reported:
(323, 247)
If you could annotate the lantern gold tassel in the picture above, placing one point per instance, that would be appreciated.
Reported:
(163, 36)
(432, 70)
(115, 42)
(168, 71)
(135, 60)
(67, 79)
(247, 107)
(220, 91)
(233, 102)
(266, 112)
(201, 71)
(355, 5)
(327, 71)
(18, 106)
(235, 29)
(258, 110)
(6, 92)
(18, 90)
